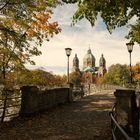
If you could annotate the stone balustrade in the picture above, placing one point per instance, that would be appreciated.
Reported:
(35, 100)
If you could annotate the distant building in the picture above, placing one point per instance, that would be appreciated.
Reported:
(75, 67)
(89, 61)
(102, 66)
(90, 71)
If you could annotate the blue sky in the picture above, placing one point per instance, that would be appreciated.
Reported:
(79, 38)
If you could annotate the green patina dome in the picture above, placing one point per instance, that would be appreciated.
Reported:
(89, 55)
(89, 69)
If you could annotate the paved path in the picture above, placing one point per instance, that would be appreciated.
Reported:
(85, 119)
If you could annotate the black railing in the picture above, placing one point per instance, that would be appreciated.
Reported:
(118, 133)
(10, 102)
(77, 91)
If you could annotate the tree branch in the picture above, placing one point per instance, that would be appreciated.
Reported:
(4, 6)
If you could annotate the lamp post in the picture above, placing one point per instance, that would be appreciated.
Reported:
(130, 49)
(68, 53)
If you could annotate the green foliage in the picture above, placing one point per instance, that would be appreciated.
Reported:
(36, 77)
(115, 13)
(24, 25)
(117, 74)
(134, 33)
(136, 72)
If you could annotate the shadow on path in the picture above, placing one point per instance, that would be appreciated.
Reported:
(85, 119)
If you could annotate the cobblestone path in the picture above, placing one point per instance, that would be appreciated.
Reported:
(84, 119)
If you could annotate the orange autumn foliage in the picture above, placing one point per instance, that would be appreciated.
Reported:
(41, 23)
(136, 72)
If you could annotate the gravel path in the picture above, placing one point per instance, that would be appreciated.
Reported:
(84, 119)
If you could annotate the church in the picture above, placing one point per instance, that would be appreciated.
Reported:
(89, 71)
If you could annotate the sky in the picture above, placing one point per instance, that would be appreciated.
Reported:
(80, 37)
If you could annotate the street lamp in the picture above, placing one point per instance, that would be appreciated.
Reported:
(68, 53)
(130, 49)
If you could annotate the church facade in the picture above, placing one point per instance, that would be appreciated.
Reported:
(90, 71)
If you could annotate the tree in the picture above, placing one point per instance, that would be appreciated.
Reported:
(117, 74)
(136, 72)
(99, 80)
(75, 77)
(115, 13)
(59, 80)
(42, 78)
(23, 26)
(36, 77)
(134, 33)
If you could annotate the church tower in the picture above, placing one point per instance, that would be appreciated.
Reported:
(89, 67)
(75, 64)
(89, 60)
(102, 66)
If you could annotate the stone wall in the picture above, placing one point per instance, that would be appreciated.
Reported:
(35, 100)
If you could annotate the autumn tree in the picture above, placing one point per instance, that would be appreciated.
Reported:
(75, 77)
(23, 26)
(64, 79)
(99, 80)
(136, 72)
(42, 78)
(37, 77)
(59, 80)
(117, 74)
(115, 13)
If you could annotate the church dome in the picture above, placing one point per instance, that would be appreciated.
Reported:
(89, 55)
(89, 59)
(89, 69)
(102, 61)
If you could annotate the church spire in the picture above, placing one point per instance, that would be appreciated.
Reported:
(102, 61)
(102, 66)
(75, 63)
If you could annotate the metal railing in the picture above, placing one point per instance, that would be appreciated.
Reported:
(10, 102)
(94, 88)
(118, 133)
(77, 92)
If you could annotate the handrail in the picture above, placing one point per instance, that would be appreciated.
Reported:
(9, 115)
(11, 106)
(16, 97)
(15, 104)
(119, 127)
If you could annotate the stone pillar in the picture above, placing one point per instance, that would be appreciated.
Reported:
(127, 111)
(29, 102)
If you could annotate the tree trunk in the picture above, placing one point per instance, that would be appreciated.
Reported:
(4, 105)
(5, 96)
(4, 74)
(5, 89)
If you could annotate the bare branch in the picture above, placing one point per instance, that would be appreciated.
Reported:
(4, 6)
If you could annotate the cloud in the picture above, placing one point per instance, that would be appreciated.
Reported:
(64, 13)
(78, 38)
